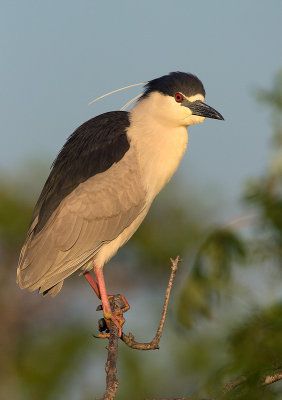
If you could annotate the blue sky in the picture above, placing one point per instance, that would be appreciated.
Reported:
(56, 56)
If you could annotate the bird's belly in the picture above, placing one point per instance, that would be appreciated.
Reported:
(108, 250)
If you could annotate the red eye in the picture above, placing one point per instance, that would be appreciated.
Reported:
(178, 97)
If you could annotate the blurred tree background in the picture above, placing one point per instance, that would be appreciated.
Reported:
(225, 317)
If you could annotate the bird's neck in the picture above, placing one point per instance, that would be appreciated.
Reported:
(159, 148)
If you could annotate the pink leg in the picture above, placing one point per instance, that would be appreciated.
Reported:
(108, 315)
(93, 283)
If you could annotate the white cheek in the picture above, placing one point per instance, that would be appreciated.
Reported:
(194, 119)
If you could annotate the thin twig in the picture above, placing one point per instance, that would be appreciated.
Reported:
(154, 344)
(232, 385)
(266, 380)
(269, 379)
(177, 398)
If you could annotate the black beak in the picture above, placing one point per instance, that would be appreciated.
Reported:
(203, 110)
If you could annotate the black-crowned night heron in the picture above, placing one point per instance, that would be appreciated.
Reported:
(103, 183)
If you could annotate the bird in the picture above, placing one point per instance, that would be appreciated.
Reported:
(103, 182)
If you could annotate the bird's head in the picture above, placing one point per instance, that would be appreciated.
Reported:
(177, 99)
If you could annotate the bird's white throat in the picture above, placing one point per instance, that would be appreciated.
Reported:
(159, 148)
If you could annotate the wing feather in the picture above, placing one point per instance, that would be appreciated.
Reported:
(95, 212)
(68, 234)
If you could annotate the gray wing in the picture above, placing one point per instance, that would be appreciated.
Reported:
(94, 213)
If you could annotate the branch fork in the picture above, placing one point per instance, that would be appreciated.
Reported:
(112, 348)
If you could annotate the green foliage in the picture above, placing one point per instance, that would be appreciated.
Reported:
(169, 222)
(15, 214)
(46, 359)
(221, 248)
(265, 193)
(210, 275)
(266, 196)
(256, 343)
(255, 350)
(136, 383)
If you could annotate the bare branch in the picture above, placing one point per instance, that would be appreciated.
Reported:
(266, 380)
(232, 385)
(178, 398)
(111, 364)
(269, 379)
(154, 344)
(117, 304)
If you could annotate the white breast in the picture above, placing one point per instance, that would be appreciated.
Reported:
(159, 149)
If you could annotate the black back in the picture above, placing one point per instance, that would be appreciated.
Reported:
(174, 82)
(91, 149)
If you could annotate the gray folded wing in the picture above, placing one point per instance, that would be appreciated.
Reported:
(94, 213)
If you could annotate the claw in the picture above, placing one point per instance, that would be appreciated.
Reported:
(103, 336)
(102, 325)
(117, 319)
(100, 290)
